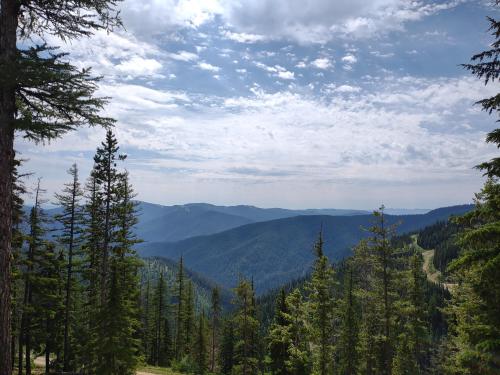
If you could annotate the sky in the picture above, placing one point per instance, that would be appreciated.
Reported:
(287, 103)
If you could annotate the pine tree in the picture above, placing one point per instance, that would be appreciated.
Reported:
(279, 339)
(382, 258)
(200, 352)
(216, 311)
(43, 97)
(180, 343)
(159, 303)
(413, 338)
(48, 303)
(108, 178)
(299, 360)
(245, 325)
(70, 219)
(91, 247)
(18, 237)
(475, 310)
(118, 345)
(321, 311)
(484, 65)
(189, 316)
(227, 348)
(37, 231)
(349, 331)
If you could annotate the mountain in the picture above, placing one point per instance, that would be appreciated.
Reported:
(174, 223)
(277, 251)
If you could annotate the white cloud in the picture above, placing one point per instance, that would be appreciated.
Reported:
(184, 56)
(349, 59)
(207, 66)
(322, 63)
(276, 70)
(286, 75)
(319, 21)
(138, 66)
(242, 37)
(403, 130)
(347, 89)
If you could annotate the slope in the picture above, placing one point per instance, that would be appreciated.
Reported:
(277, 251)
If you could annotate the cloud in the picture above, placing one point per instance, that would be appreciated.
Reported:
(207, 66)
(322, 63)
(349, 59)
(276, 70)
(138, 66)
(184, 56)
(319, 21)
(242, 37)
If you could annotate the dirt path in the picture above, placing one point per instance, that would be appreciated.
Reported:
(432, 274)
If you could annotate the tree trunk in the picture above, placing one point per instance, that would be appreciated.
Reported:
(67, 303)
(8, 26)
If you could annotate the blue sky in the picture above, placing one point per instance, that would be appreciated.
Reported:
(288, 103)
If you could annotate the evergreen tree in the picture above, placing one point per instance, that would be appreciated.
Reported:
(299, 360)
(349, 331)
(118, 345)
(216, 311)
(189, 316)
(245, 325)
(475, 310)
(180, 343)
(37, 232)
(200, 352)
(43, 97)
(279, 339)
(321, 311)
(227, 348)
(108, 178)
(70, 219)
(413, 339)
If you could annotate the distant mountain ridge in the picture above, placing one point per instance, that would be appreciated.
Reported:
(174, 223)
(276, 251)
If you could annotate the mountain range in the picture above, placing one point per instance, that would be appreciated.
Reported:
(271, 252)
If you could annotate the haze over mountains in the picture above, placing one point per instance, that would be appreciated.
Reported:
(271, 245)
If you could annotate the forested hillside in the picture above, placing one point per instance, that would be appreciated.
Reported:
(275, 252)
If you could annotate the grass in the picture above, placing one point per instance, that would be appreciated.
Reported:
(156, 370)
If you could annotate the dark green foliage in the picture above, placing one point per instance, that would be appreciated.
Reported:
(476, 304)
(71, 220)
(279, 343)
(273, 251)
(246, 326)
(485, 65)
(350, 315)
(321, 311)
(227, 348)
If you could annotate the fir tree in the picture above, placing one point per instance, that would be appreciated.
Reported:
(349, 331)
(216, 311)
(299, 359)
(70, 219)
(227, 348)
(279, 339)
(180, 343)
(245, 324)
(200, 352)
(321, 311)
(43, 97)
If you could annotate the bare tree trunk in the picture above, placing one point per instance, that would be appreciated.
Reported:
(8, 25)
(67, 302)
